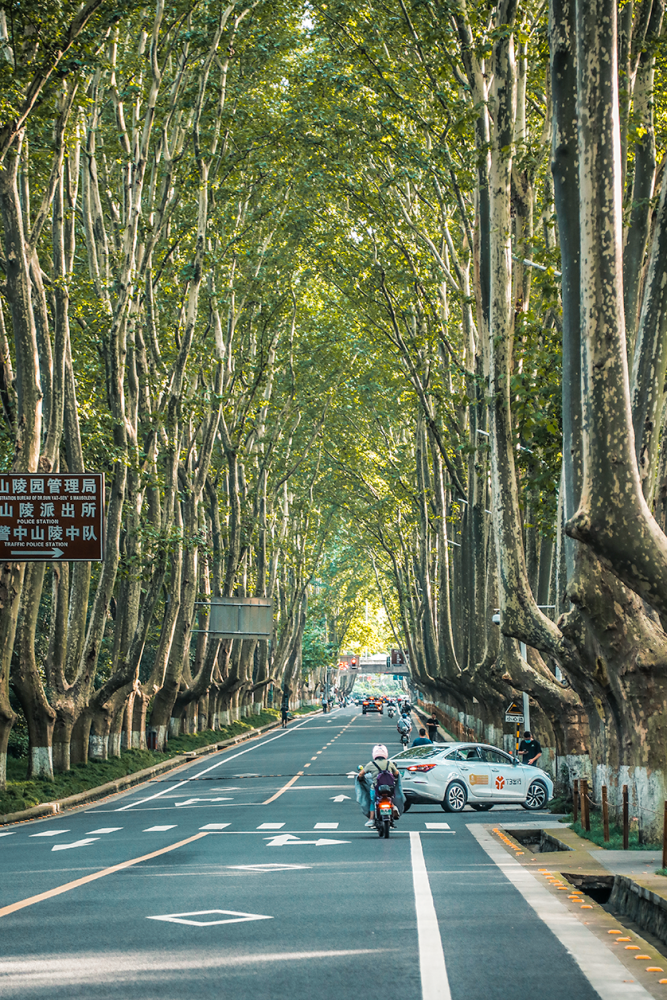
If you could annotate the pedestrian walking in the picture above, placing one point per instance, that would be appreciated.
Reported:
(432, 726)
(529, 749)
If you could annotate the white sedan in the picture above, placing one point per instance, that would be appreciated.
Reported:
(455, 774)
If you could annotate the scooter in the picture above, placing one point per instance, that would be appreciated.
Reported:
(384, 815)
(405, 739)
(391, 713)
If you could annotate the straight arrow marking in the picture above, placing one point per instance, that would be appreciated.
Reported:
(339, 798)
(190, 802)
(289, 838)
(77, 843)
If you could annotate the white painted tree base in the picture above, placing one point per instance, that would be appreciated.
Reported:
(41, 762)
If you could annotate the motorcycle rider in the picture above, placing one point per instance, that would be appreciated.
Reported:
(404, 724)
(379, 763)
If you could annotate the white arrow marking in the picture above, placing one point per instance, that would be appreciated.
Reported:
(339, 798)
(189, 802)
(288, 838)
(77, 843)
(281, 839)
(51, 554)
(232, 917)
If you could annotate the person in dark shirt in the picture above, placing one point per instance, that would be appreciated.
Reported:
(432, 724)
(529, 749)
(421, 739)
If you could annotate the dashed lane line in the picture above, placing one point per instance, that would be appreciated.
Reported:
(50, 893)
(159, 829)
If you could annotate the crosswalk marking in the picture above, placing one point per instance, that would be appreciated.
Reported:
(326, 826)
(437, 826)
(270, 826)
(159, 829)
(215, 826)
(49, 833)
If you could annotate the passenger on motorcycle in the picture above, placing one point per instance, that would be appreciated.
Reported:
(375, 767)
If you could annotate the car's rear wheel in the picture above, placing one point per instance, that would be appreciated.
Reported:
(481, 807)
(537, 796)
(455, 798)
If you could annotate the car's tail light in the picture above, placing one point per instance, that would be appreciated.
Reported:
(421, 767)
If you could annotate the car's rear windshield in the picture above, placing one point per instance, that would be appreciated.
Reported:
(422, 751)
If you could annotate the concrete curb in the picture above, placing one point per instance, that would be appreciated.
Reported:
(120, 784)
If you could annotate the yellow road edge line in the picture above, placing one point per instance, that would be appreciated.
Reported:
(22, 903)
(283, 789)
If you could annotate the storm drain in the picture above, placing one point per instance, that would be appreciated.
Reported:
(598, 887)
(538, 841)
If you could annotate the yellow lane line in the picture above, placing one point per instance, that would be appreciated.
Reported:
(284, 788)
(22, 903)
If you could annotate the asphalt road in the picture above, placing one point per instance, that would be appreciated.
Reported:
(254, 884)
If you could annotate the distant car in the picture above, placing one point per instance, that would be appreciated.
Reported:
(372, 705)
(455, 774)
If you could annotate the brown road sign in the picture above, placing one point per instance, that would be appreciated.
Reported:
(51, 518)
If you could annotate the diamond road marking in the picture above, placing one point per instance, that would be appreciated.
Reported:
(326, 826)
(270, 826)
(107, 829)
(230, 917)
(437, 826)
(268, 868)
(49, 833)
(215, 826)
(159, 829)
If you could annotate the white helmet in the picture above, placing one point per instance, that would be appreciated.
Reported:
(380, 750)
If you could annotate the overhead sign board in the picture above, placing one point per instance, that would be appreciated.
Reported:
(514, 712)
(52, 518)
(399, 658)
(241, 617)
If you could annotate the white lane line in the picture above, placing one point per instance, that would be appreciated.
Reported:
(226, 760)
(106, 829)
(215, 826)
(49, 833)
(435, 985)
(7, 833)
(606, 974)
(270, 826)
(158, 829)
(437, 826)
(326, 826)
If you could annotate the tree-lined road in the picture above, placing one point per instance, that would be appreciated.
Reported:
(260, 880)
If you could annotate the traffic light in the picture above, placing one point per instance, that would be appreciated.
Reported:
(353, 661)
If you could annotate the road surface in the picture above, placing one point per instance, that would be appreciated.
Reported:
(259, 880)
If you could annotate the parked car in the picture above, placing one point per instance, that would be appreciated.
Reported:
(455, 774)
